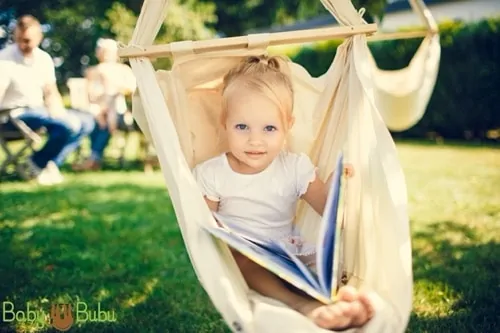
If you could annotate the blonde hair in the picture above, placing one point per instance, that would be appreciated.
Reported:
(107, 50)
(262, 74)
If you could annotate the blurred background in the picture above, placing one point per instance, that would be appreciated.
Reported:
(463, 106)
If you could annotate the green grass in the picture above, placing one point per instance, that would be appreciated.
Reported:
(111, 237)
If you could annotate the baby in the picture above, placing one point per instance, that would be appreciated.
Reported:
(256, 184)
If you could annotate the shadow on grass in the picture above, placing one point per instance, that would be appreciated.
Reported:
(467, 144)
(129, 165)
(110, 164)
(115, 246)
(454, 257)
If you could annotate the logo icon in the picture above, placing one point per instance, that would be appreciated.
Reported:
(61, 317)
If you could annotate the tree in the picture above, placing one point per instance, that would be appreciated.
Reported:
(184, 21)
(73, 26)
(375, 9)
(6, 17)
(236, 17)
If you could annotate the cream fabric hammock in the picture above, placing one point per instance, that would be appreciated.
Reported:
(402, 95)
(178, 109)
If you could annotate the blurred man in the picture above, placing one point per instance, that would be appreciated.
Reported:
(28, 83)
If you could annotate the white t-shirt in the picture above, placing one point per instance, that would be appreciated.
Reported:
(119, 79)
(263, 204)
(23, 79)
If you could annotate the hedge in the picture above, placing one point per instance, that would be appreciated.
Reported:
(466, 100)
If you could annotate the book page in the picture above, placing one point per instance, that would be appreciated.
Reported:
(326, 244)
(337, 250)
(249, 236)
(308, 274)
(284, 268)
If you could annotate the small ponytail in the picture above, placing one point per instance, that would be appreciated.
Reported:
(263, 73)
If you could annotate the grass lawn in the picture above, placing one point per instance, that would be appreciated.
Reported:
(110, 238)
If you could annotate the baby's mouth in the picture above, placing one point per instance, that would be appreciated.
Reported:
(255, 153)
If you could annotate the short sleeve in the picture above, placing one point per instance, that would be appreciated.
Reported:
(5, 78)
(49, 70)
(205, 175)
(129, 83)
(5, 53)
(305, 173)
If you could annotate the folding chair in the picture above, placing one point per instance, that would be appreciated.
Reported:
(12, 131)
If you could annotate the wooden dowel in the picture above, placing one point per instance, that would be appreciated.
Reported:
(229, 43)
(398, 35)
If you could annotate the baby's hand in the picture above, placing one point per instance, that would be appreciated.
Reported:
(348, 170)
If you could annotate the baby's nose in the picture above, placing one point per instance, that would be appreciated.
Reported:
(255, 137)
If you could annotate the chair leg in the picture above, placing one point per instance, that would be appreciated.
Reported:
(123, 148)
(8, 156)
(29, 138)
(151, 158)
(78, 155)
(147, 158)
(14, 158)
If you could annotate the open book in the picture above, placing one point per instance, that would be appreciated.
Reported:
(274, 256)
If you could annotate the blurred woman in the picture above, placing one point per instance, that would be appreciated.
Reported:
(109, 82)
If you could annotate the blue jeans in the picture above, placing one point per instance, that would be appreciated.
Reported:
(99, 139)
(63, 140)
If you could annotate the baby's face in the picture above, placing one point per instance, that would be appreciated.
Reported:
(255, 130)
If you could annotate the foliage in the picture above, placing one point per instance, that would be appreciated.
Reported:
(465, 102)
(184, 21)
(187, 20)
(73, 27)
(236, 17)
(121, 22)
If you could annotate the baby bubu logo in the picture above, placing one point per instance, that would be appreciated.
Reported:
(60, 317)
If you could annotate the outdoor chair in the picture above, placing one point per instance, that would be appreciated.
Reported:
(17, 141)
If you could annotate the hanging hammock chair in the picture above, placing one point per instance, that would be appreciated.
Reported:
(402, 95)
(177, 110)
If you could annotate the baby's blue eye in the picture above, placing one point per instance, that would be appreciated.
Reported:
(270, 128)
(241, 126)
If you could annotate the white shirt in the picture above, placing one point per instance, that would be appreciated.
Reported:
(264, 204)
(23, 79)
(119, 79)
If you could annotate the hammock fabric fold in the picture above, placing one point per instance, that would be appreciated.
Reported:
(402, 95)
